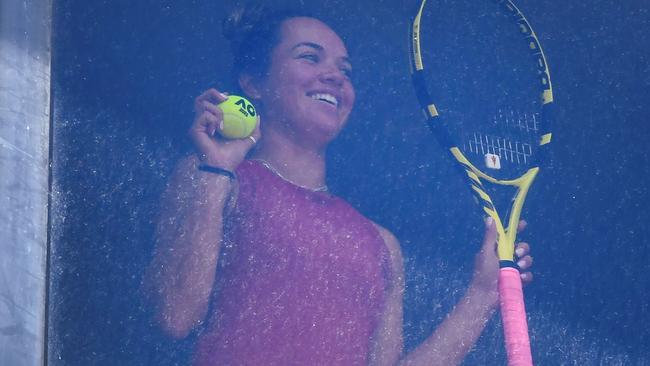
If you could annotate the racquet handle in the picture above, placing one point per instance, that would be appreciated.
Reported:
(513, 314)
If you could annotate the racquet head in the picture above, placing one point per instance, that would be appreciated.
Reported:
(483, 69)
(482, 80)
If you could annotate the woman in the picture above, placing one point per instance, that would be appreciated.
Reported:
(270, 266)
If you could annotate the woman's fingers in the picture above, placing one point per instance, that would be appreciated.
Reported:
(211, 97)
(521, 226)
(211, 107)
(214, 96)
(206, 123)
(213, 110)
(526, 278)
(209, 117)
(524, 261)
(521, 249)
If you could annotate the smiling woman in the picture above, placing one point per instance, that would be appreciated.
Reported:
(307, 90)
(255, 253)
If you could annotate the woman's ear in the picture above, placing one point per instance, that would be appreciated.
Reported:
(250, 86)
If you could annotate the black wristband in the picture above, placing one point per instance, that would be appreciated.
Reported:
(217, 170)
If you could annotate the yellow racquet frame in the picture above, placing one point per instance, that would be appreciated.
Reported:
(513, 312)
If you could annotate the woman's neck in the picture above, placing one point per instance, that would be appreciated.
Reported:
(303, 165)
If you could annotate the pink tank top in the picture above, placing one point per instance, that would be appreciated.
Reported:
(303, 282)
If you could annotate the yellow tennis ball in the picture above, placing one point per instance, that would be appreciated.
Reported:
(239, 117)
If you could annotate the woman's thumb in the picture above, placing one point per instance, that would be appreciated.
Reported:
(490, 237)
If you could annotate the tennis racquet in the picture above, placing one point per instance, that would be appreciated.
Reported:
(481, 77)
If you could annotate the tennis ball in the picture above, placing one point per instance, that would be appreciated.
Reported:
(239, 117)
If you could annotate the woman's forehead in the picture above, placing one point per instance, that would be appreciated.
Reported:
(303, 30)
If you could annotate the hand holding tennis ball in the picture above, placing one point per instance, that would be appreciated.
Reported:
(227, 152)
(239, 117)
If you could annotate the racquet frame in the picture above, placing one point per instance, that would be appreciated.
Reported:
(510, 289)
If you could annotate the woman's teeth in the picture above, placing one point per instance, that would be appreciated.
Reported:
(329, 98)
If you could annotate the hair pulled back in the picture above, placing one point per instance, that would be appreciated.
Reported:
(253, 31)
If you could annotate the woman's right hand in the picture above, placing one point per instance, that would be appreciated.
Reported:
(211, 148)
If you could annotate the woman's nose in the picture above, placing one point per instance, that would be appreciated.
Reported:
(333, 76)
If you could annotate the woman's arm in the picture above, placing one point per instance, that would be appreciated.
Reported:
(387, 343)
(179, 280)
(453, 339)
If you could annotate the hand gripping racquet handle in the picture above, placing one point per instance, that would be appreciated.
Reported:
(513, 315)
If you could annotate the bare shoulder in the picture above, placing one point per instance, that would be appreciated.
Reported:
(390, 239)
(393, 246)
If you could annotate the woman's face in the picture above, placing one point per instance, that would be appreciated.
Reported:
(308, 91)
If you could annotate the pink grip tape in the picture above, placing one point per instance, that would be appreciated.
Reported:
(513, 314)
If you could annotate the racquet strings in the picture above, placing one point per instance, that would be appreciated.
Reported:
(484, 83)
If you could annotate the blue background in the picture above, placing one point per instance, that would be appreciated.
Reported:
(125, 76)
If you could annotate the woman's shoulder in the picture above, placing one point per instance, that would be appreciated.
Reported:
(392, 244)
(396, 258)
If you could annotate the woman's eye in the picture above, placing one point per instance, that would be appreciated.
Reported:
(310, 57)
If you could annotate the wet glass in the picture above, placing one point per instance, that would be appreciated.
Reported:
(124, 77)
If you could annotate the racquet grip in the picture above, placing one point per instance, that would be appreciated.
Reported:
(513, 314)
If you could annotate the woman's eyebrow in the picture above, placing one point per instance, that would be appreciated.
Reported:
(313, 45)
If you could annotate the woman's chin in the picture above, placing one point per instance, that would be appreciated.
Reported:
(326, 131)
(319, 129)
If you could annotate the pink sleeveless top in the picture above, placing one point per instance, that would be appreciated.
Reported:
(303, 282)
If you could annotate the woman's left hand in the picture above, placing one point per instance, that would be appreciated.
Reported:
(486, 264)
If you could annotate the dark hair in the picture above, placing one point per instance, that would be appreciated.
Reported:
(253, 31)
